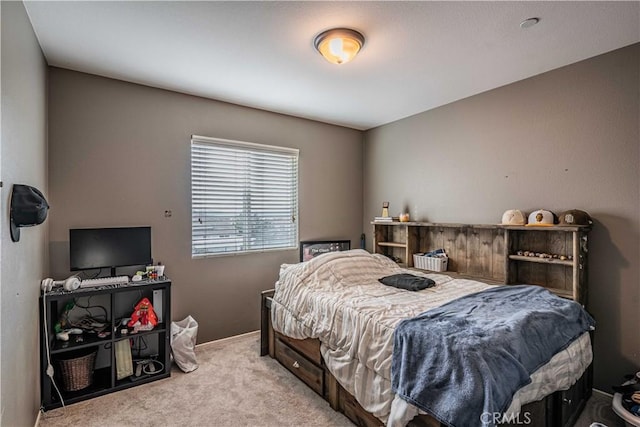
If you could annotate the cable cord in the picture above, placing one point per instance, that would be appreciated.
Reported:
(88, 307)
(49, 370)
(153, 367)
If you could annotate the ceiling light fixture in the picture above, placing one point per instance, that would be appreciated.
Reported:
(339, 45)
(530, 22)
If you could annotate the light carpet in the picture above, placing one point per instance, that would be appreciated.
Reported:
(233, 386)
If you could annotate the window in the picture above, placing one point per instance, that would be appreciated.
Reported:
(244, 197)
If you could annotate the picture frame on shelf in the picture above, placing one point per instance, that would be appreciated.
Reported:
(312, 248)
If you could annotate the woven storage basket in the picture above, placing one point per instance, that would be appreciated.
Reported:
(77, 369)
(430, 263)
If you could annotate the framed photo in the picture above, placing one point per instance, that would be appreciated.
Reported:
(313, 248)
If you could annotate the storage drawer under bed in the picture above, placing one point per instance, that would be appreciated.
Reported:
(309, 348)
(300, 366)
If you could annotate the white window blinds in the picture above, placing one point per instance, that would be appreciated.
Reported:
(244, 197)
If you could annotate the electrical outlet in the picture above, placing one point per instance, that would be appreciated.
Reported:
(167, 214)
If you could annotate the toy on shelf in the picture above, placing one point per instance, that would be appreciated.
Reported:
(143, 318)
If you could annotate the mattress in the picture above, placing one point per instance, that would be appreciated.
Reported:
(337, 299)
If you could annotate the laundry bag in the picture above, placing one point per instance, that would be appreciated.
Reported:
(183, 343)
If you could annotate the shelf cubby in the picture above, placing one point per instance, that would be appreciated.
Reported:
(490, 253)
(113, 304)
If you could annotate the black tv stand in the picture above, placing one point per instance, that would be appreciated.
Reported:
(117, 302)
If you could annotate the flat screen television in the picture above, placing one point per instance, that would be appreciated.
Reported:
(91, 248)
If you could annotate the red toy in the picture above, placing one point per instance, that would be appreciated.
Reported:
(143, 317)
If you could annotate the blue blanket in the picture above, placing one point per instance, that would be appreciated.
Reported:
(469, 356)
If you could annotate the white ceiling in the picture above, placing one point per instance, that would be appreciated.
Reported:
(417, 55)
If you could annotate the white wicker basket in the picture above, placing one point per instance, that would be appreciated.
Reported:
(430, 263)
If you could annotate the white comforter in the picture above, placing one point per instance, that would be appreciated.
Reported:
(337, 298)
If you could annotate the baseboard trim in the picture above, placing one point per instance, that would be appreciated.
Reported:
(38, 418)
(232, 338)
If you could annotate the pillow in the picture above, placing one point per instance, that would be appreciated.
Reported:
(407, 281)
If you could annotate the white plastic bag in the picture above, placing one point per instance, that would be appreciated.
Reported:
(183, 343)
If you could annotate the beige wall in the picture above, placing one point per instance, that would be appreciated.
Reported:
(119, 156)
(23, 156)
(564, 139)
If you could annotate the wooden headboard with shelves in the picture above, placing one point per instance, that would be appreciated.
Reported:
(490, 252)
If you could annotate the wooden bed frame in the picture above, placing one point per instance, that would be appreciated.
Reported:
(487, 253)
(303, 359)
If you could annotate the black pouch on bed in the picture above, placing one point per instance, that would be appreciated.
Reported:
(407, 281)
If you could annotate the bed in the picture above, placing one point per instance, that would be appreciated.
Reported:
(332, 324)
